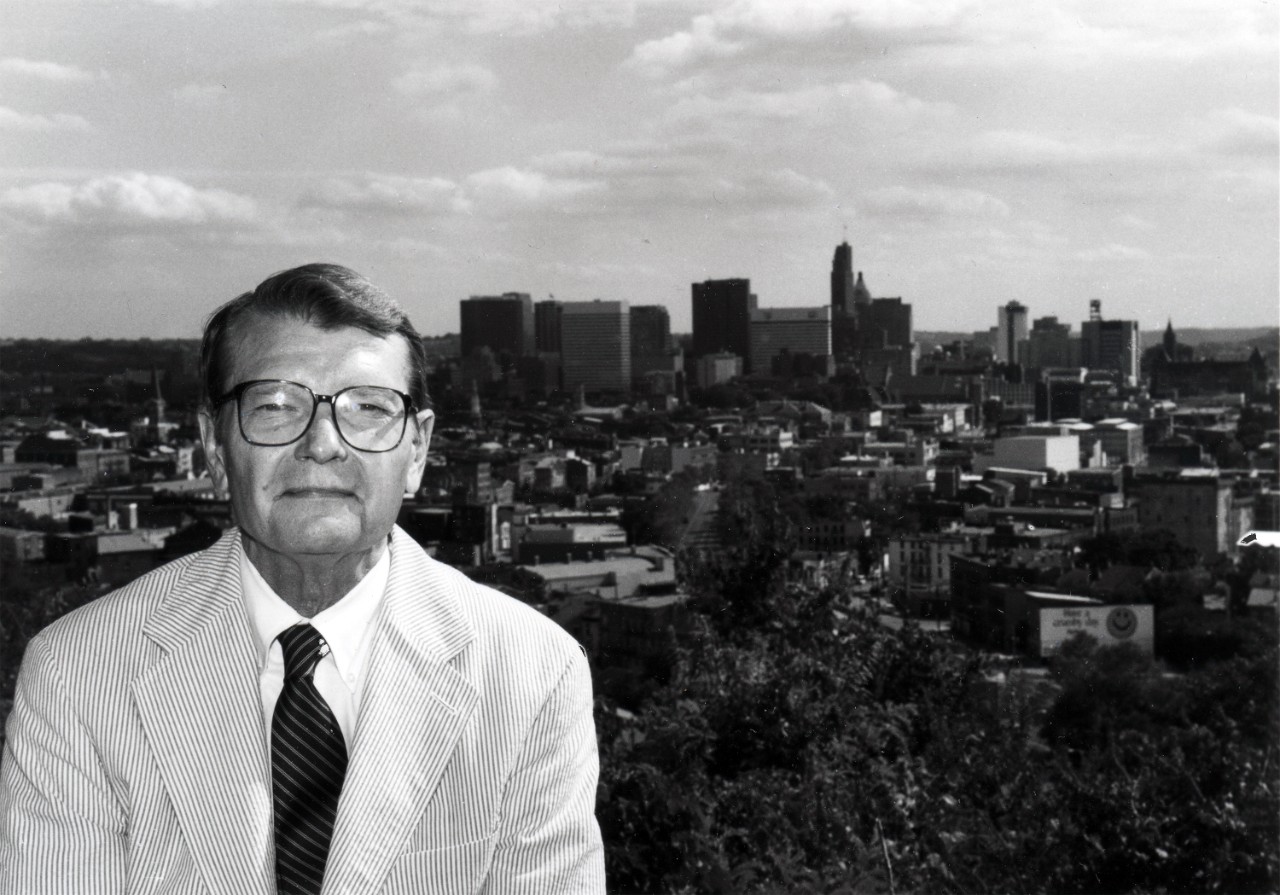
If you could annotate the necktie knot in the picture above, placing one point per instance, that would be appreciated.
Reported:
(303, 648)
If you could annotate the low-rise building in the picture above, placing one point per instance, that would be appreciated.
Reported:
(1196, 505)
(535, 545)
(1060, 453)
(1122, 441)
(20, 545)
(921, 566)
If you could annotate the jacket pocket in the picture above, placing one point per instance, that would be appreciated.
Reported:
(458, 868)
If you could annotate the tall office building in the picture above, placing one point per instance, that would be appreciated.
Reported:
(1109, 344)
(546, 326)
(1049, 344)
(1011, 331)
(595, 344)
(722, 318)
(650, 330)
(886, 323)
(651, 344)
(842, 282)
(850, 300)
(501, 323)
(794, 330)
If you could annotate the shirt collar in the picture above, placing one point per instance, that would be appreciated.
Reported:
(345, 626)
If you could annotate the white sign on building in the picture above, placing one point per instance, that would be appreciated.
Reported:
(1109, 625)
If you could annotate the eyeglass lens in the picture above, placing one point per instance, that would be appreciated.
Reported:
(368, 417)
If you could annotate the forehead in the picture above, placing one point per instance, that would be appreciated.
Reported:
(288, 348)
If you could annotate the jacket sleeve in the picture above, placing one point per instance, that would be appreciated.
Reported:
(61, 828)
(548, 838)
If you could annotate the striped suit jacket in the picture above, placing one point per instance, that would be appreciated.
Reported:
(136, 759)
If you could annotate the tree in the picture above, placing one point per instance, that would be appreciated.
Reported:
(1159, 548)
(814, 750)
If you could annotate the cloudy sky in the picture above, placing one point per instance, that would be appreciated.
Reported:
(160, 156)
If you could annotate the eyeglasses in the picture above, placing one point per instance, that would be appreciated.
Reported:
(276, 412)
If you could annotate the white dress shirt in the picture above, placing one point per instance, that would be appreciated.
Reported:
(347, 626)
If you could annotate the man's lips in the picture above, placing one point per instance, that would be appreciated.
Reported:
(319, 492)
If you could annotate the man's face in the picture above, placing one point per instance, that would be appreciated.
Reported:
(318, 495)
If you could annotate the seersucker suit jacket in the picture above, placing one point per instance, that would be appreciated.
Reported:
(136, 759)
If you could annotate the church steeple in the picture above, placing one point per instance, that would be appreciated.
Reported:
(861, 294)
(1170, 343)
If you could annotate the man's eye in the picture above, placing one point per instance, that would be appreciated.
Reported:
(274, 407)
(366, 408)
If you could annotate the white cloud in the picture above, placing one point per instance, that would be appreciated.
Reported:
(390, 195)
(864, 103)
(987, 34)
(935, 202)
(126, 200)
(753, 27)
(445, 80)
(804, 17)
(200, 95)
(1237, 131)
(13, 120)
(1114, 251)
(533, 16)
(187, 4)
(1135, 222)
(1021, 152)
(45, 71)
(363, 29)
(772, 190)
(657, 58)
(505, 17)
(1022, 149)
(526, 187)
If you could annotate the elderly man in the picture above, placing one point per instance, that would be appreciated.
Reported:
(312, 703)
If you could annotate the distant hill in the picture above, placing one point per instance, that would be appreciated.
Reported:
(1267, 338)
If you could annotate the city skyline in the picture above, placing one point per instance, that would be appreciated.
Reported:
(973, 154)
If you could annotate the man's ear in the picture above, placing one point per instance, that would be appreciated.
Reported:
(214, 458)
(420, 428)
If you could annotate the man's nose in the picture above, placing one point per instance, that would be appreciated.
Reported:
(322, 442)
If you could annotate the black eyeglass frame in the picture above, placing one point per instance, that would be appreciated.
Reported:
(410, 409)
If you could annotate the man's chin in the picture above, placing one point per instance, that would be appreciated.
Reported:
(326, 537)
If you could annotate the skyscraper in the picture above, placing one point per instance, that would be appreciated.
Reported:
(650, 330)
(501, 323)
(794, 330)
(850, 299)
(1109, 344)
(722, 318)
(842, 282)
(1011, 327)
(1049, 344)
(885, 322)
(595, 343)
(546, 325)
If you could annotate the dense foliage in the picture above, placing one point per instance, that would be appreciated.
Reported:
(802, 746)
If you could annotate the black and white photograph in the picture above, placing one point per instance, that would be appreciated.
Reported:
(660, 447)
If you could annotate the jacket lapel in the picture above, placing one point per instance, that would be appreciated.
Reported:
(413, 711)
(200, 710)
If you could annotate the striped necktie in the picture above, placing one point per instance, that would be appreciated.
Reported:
(308, 764)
